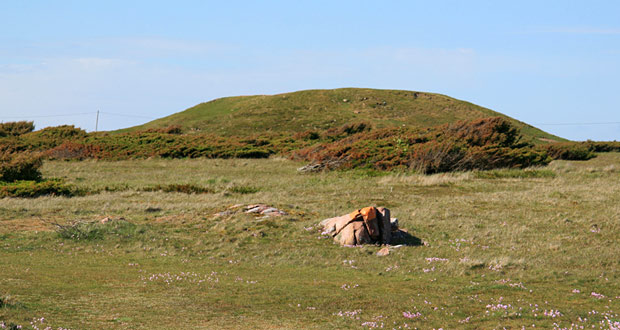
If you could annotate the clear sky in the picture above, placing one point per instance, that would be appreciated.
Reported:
(542, 62)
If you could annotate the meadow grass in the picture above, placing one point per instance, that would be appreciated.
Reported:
(501, 248)
(322, 109)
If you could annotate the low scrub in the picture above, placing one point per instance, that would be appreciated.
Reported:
(69, 150)
(569, 151)
(480, 144)
(15, 167)
(50, 137)
(475, 145)
(181, 188)
(30, 189)
(16, 128)
(603, 146)
(579, 150)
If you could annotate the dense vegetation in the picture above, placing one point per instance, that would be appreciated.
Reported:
(20, 176)
(479, 144)
(464, 145)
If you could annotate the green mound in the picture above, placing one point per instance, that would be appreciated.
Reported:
(319, 110)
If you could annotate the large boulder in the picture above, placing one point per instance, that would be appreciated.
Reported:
(370, 225)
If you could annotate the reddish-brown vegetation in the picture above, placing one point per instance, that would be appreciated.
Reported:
(479, 144)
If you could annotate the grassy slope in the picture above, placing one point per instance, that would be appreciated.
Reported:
(322, 109)
(516, 244)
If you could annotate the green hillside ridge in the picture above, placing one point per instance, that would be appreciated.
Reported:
(323, 109)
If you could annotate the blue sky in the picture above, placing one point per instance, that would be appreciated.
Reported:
(542, 62)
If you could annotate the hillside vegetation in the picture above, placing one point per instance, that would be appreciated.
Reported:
(324, 109)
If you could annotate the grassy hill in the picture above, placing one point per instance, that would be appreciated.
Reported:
(324, 109)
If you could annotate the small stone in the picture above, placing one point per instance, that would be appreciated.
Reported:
(254, 210)
(269, 210)
(222, 214)
(383, 252)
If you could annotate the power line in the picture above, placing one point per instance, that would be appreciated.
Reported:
(579, 124)
(125, 115)
(46, 116)
(75, 114)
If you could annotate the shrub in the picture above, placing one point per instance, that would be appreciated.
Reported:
(172, 129)
(16, 128)
(50, 137)
(20, 167)
(243, 190)
(30, 189)
(603, 146)
(434, 157)
(569, 151)
(252, 153)
(181, 188)
(479, 144)
(348, 129)
(485, 131)
(71, 150)
(307, 135)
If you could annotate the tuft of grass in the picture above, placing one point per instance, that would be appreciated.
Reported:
(240, 189)
(91, 231)
(514, 174)
(7, 301)
(440, 179)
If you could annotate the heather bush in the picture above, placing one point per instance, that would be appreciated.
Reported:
(347, 130)
(569, 151)
(24, 166)
(30, 189)
(434, 157)
(480, 144)
(16, 128)
(487, 131)
(603, 146)
(69, 150)
(51, 137)
(307, 135)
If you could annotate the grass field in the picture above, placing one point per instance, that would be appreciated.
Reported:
(504, 248)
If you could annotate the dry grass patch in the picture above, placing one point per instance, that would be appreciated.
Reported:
(441, 179)
(508, 240)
